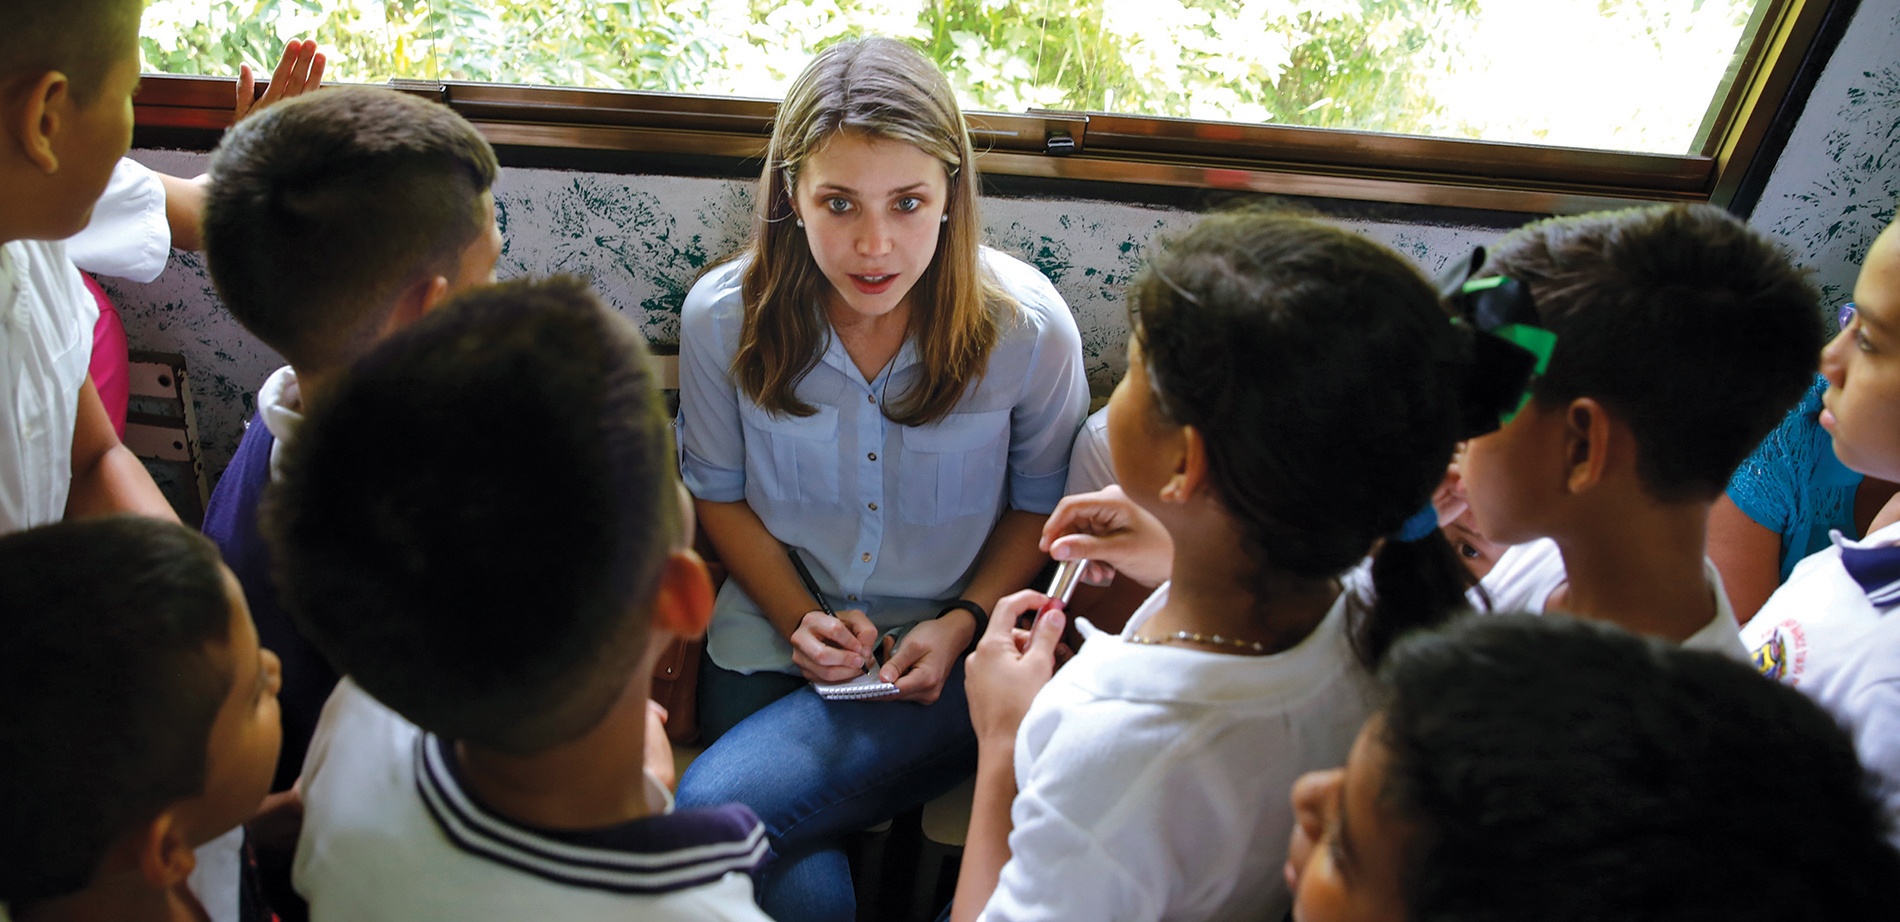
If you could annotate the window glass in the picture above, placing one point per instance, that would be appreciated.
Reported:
(1632, 75)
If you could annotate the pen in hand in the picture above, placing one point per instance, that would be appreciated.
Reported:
(811, 586)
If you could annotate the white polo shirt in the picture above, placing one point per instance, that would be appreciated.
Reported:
(1822, 633)
(392, 832)
(1154, 780)
(1527, 574)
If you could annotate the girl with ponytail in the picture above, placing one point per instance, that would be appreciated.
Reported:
(1293, 397)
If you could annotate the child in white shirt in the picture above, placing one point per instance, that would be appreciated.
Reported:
(497, 616)
(1829, 630)
(1149, 775)
(68, 121)
(1678, 337)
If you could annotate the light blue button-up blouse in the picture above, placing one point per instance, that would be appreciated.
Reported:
(889, 518)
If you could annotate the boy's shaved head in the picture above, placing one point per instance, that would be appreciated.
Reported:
(324, 208)
(474, 524)
(79, 38)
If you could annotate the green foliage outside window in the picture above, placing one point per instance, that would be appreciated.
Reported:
(1375, 65)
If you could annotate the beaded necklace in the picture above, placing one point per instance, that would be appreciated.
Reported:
(1214, 640)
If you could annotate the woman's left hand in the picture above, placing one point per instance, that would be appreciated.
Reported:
(924, 659)
(1004, 674)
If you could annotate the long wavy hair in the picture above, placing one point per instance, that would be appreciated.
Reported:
(883, 89)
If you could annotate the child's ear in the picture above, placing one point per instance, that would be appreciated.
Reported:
(1190, 468)
(165, 858)
(1587, 438)
(685, 601)
(40, 118)
(416, 300)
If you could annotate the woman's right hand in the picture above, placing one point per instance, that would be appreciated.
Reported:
(828, 649)
(1107, 528)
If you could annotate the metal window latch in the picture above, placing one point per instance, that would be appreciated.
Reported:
(1058, 143)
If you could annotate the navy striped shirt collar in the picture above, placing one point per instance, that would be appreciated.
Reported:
(1876, 569)
(653, 855)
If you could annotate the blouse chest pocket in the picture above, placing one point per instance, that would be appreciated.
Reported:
(954, 467)
(793, 458)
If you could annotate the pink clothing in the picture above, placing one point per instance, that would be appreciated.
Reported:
(111, 367)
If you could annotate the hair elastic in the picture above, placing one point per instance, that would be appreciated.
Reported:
(1511, 351)
(1419, 526)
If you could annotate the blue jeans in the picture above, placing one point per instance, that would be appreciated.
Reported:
(816, 770)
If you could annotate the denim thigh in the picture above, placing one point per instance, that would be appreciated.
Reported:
(814, 769)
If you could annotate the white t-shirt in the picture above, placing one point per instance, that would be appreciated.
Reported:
(1822, 634)
(129, 235)
(1526, 575)
(46, 320)
(389, 832)
(1090, 468)
(1154, 779)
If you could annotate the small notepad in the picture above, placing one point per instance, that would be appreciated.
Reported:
(865, 686)
(868, 685)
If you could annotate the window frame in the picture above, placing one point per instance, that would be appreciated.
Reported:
(1102, 147)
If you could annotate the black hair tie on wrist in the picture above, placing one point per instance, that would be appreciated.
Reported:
(976, 611)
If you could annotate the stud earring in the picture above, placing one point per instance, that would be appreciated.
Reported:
(800, 222)
(944, 220)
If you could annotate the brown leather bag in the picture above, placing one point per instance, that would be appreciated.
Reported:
(676, 687)
(676, 675)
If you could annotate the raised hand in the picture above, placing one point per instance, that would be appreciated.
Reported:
(298, 72)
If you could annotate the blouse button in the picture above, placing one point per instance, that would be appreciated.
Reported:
(870, 399)
(873, 507)
(872, 456)
(851, 598)
(866, 558)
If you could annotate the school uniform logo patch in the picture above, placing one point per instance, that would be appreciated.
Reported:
(1782, 656)
(1772, 657)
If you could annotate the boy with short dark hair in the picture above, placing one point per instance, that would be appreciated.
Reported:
(1682, 337)
(138, 717)
(1554, 769)
(333, 219)
(67, 74)
(480, 525)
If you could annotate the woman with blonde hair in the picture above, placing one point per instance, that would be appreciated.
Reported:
(870, 394)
